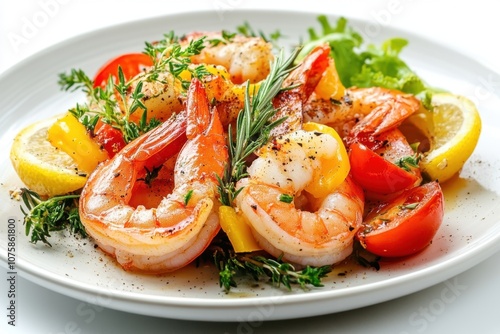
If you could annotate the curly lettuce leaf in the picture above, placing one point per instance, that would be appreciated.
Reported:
(344, 42)
(368, 66)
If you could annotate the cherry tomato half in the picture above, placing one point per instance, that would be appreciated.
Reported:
(109, 138)
(130, 63)
(406, 224)
(376, 171)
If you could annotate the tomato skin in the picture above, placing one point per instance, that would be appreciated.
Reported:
(109, 138)
(392, 231)
(374, 169)
(130, 63)
(375, 174)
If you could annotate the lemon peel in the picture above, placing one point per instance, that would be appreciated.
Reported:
(455, 127)
(40, 166)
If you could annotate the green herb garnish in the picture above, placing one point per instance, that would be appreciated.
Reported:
(188, 196)
(409, 206)
(168, 55)
(231, 266)
(226, 38)
(102, 104)
(246, 30)
(150, 175)
(253, 126)
(286, 198)
(130, 105)
(54, 214)
(408, 162)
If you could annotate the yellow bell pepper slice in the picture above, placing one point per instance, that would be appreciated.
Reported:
(237, 230)
(334, 171)
(71, 137)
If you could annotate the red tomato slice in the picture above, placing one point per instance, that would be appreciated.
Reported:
(376, 170)
(131, 64)
(406, 224)
(109, 138)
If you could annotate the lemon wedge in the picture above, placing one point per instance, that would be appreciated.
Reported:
(40, 166)
(454, 127)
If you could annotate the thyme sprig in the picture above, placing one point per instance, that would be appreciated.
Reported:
(130, 129)
(151, 175)
(253, 126)
(102, 104)
(226, 38)
(246, 30)
(168, 55)
(408, 162)
(232, 265)
(76, 80)
(54, 214)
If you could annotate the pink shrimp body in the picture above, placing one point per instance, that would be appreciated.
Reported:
(305, 230)
(245, 58)
(379, 109)
(302, 80)
(171, 235)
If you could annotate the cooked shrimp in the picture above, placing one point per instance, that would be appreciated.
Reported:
(305, 231)
(165, 95)
(229, 97)
(303, 80)
(245, 58)
(388, 108)
(174, 233)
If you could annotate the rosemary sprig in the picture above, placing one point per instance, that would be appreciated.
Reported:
(232, 265)
(253, 126)
(54, 214)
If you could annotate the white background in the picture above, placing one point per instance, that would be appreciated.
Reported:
(470, 27)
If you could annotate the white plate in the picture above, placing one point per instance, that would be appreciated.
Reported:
(469, 234)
